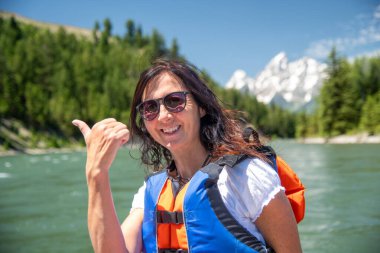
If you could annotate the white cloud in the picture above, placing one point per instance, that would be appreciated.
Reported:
(375, 53)
(367, 35)
(376, 14)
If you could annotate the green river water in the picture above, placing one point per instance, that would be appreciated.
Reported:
(43, 198)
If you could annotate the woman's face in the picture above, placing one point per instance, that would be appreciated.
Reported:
(175, 131)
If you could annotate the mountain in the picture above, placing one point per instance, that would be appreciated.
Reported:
(292, 85)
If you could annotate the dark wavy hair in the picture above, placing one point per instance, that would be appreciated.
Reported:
(220, 132)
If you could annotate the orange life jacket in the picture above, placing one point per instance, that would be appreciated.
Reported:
(195, 220)
(294, 189)
(171, 235)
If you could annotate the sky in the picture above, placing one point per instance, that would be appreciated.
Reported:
(223, 36)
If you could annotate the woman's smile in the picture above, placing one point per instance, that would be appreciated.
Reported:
(170, 131)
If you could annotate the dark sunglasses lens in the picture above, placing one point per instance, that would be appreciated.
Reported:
(149, 109)
(175, 102)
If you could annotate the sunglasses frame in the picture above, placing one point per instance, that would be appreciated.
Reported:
(159, 101)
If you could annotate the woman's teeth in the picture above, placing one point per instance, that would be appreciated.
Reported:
(170, 130)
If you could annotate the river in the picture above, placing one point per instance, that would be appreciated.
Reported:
(43, 198)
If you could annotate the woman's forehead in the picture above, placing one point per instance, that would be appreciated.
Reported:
(164, 83)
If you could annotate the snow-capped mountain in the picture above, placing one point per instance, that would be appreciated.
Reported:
(291, 85)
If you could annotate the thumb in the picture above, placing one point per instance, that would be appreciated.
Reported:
(83, 127)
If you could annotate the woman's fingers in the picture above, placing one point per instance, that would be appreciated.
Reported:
(116, 127)
(109, 128)
(104, 122)
(123, 136)
(103, 141)
(118, 131)
(83, 127)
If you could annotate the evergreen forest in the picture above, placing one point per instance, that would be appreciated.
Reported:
(48, 78)
(349, 101)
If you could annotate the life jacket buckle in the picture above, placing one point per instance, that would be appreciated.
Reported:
(169, 217)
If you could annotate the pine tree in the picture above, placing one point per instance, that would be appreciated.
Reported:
(370, 119)
(339, 109)
(139, 37)
(174, 50)
(106, 34)
(374, 76)
(157, 44)
(95, 32)
(130, 37)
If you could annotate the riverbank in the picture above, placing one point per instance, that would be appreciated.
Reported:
(39, 151)
(342, 139)
(16, 138)
(363, 138)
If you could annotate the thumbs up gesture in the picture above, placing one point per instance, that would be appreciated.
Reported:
(103, 141)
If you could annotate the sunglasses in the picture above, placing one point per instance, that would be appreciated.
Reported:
(173, 102)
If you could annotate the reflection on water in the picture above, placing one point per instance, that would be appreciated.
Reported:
(4, 175)
(44, 198)
(342, 197)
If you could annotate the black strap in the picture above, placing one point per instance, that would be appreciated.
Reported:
(221, 211)
(173, 251)
(231, 160)
(169, 217)
(229, 222)
(248, 132)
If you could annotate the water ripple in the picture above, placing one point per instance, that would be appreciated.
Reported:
(4, 175)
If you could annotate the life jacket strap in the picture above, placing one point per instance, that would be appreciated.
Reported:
(173, 251)
(230, 160)
(169, 217)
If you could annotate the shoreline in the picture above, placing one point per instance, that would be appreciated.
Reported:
(41, 151)
(341, 139)
(362, 138)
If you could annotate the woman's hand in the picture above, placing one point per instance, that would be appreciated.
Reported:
(103, 141)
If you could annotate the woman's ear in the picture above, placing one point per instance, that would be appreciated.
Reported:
(143, 128)
(202, 112)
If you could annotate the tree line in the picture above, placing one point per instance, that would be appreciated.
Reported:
(49, 78)
(349, 101)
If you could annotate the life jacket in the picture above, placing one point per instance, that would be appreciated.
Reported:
(294, 189)
(196, 220)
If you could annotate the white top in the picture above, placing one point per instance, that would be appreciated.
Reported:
(246, 189)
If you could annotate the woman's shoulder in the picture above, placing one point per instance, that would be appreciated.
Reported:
(253, 174)
(254, 165)
(252, 182)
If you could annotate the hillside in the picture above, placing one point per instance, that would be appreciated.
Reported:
(80, 32)
(52, 74)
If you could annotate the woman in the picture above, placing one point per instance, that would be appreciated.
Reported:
(183, 209)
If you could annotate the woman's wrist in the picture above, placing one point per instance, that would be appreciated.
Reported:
(96, 175)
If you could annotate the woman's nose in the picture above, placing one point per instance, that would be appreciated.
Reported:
(164, 113)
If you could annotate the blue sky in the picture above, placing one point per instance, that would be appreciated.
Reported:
(222, 36)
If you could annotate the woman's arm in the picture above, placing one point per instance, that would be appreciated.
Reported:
(102, 142)
(103, 224)
(131, 228)
(278, 225)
